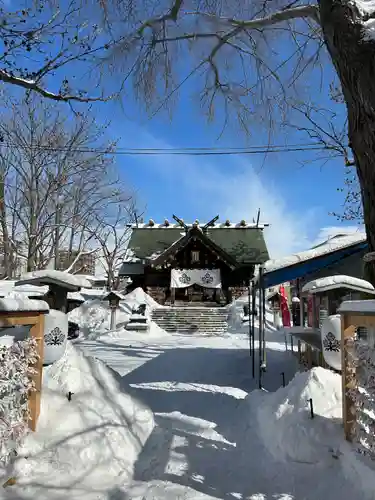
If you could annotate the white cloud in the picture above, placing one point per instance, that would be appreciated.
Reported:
(236, 193)
(327, 232)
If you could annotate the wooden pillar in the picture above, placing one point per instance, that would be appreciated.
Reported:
(299, 352)
(37, 332)
(302, 310)
(173, 295)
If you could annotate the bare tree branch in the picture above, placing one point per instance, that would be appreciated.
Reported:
(34, 86)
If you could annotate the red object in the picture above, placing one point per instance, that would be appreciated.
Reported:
(285, 313)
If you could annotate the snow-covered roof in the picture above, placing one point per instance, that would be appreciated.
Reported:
(339, 281)
(362, 306)
(331, 245)
(52, 277)
(21, 304)
(28, 290)
(90, 278)
(76, 296)
(243, 243)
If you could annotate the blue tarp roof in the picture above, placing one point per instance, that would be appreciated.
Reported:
(310, 266)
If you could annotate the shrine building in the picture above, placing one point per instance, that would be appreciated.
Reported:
(194, 263)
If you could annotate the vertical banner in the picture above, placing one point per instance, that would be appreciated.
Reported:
(285, 313)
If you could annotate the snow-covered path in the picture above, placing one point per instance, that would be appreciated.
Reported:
(206, 442)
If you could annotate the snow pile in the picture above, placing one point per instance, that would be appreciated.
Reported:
(285, 422)
(93, 317)
(138, 297)
(86, 447)
(14, 302)
(237, 319)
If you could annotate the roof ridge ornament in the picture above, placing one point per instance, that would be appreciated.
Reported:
(181, 222)
(210, 223)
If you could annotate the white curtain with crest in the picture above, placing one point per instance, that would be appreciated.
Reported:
(208, 278)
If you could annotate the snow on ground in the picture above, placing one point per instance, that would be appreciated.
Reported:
(285, 422)
(85, 448)
(216, 435)
(93, 316)
(237, 320)
(209, 441)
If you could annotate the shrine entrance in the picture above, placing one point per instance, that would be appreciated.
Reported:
(196, 293)
(195, 285)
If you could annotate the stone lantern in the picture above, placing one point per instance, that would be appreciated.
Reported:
(114, 299)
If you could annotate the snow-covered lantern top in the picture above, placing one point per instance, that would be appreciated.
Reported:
(196, 223)
(114, 299)
(151, 223)
(243, 223)
(227, 222)
(59, 282)
(166, 223)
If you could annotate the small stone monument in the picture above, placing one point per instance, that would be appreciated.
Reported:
(138, 320)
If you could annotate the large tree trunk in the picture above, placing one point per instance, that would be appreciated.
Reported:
(354, 59)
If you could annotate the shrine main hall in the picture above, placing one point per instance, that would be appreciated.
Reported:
(211, 263)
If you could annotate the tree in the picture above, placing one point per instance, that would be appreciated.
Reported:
(56, 187)
(232, 49)
(353, 209)
(323, 127)
(112, 236)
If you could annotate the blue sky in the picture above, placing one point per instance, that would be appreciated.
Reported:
(294, 198)
(294, 193)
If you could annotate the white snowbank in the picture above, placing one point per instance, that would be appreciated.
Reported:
(138, 297)
(338, 281)
(93, 317)
(237, 319)
(285, 423)
(84, 448)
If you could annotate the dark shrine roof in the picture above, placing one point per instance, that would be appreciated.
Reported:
(245, 244)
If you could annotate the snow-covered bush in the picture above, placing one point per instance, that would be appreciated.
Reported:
(15, 383)
(362, 392)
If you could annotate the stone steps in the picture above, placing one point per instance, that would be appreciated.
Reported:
(192, 319)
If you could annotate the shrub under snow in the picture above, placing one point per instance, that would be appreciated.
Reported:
(84, 448)
(15, 383)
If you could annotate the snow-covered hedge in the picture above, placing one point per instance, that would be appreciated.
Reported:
(362, 362)
(15, 383)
